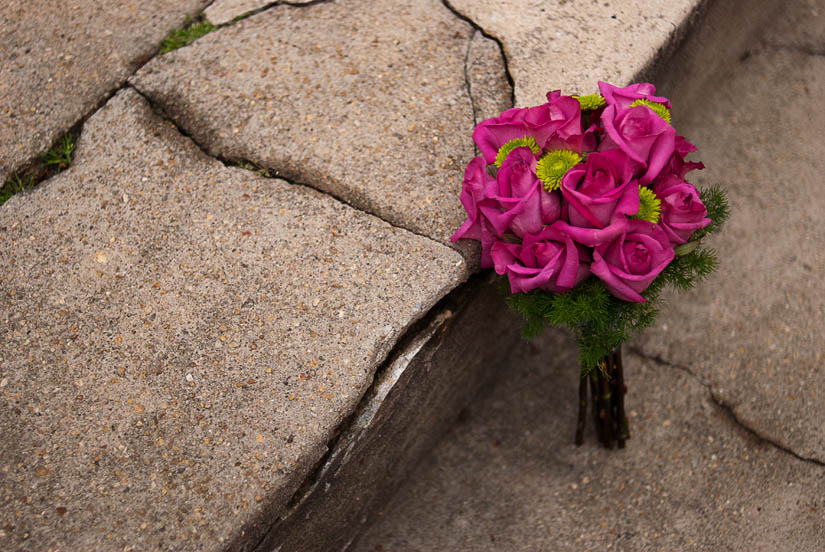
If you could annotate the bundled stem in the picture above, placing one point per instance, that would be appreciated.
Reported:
(607, 390)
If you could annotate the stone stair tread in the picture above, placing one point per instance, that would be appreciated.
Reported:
(182, 339)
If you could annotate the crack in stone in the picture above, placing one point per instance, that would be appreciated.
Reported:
(264, 8)
(813, 51)
(467, 81)
(724, 406)
(495, 39)
(239, 164)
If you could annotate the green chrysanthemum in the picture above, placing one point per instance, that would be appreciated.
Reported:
(526, 142)
(657, 108)
(591, 102)
(649, 206)
(553, 165)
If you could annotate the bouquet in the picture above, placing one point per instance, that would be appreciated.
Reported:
(582, 203)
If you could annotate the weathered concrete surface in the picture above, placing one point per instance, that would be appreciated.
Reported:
(508, 477)
(221, 12)
(570, 45)
(754, 331)
(180, 340)
(430, 378)
(58, 61)
(365, 100)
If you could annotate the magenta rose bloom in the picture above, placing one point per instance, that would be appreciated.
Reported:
(682, 209)
(548, 260)
(520, 205)
(560, 116)
(628, 264)
(642, 135)
(623, 97)
(478, 188)
(599, 194)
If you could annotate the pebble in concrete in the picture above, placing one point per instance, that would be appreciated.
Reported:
(181, 339)
(572, 45)
(57, 62)
(508, 477)
(754, 331)
(365, 100)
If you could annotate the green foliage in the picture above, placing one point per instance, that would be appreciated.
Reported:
(49, 163)
(15, 184)
(599, 321)
(189, 33)
(60, 156)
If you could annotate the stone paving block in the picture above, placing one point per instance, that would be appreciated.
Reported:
(754, 330)
(221, 12)
(508, 477)
(366, 100)
(180, 340)
(59, 61)
(571, 45)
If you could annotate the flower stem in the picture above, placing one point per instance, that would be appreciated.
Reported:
(607, 390)
(582, 410)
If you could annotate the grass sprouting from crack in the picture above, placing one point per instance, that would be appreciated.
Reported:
(190, 32)
(49, 163)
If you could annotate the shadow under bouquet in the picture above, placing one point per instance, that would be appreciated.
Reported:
(582, 204)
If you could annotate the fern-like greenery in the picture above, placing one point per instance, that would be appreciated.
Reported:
(599, 321)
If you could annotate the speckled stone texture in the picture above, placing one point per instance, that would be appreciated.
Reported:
(366, 100)
(508, 477)
(180, 340)
(431, 376)
(58, 61)
(571, 45)
(221, 12)
(754, 331)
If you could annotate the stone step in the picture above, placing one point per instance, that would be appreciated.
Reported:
(725, 393)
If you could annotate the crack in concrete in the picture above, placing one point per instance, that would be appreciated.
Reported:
(264, 8)
(244, 164)
(813, 51)
(724, 406)
(467, 81)
(495, 39)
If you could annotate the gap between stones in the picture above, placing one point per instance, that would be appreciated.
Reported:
(245, 164)
(722, 405)
(495, 39)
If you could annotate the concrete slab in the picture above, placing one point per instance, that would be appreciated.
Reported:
(221, 12)
(366, 100)
(571, 45)
(508, 477)
(181, 340)
(58, 63)
(754, 331)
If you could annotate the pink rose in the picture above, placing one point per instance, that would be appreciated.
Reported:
(629, 263)
(478, 188)
(548, 260)
(641, 134)
(559, 117)
(682, 209)
(521, 204)
(599, 193)
(623, 97)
